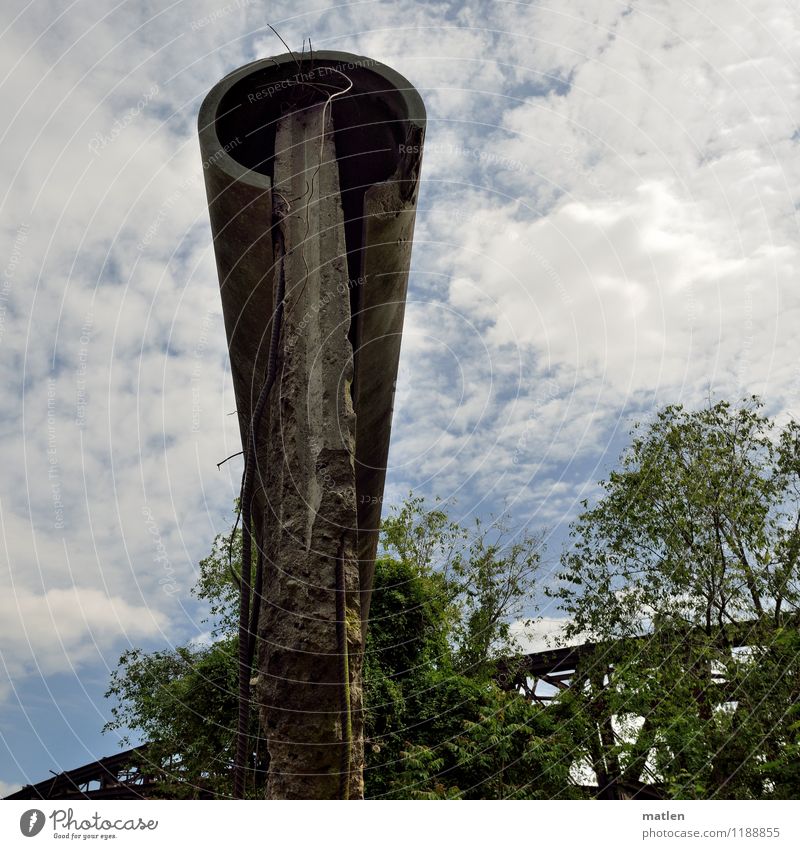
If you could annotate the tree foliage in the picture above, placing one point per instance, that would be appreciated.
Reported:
(438, 726)
(686, 573)
(681, 580)
(483, 576)
(183, 701)
(443, 601)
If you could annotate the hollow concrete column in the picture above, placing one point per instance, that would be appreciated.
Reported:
(311, 521)
(320, 157)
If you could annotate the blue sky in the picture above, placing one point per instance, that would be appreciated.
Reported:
(607, 223)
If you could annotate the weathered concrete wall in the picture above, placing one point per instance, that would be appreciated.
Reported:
(310, 494)
(389, 213)
(379, 127)
(323, 442)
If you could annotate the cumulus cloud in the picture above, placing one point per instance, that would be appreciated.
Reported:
(607, 222)
(629, 236)
(55, 631)
(6, 788)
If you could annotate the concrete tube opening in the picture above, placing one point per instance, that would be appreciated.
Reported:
(372, 127)
(311, 172)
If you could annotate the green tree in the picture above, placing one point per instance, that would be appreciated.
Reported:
(437, 725)
(433, 729)
(184, 700)
(443, 601)
(686, 573)
(484, 575)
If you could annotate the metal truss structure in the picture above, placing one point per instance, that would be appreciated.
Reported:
(118, 776)
(539, 677)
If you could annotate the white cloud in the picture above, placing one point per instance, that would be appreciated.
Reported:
(607, 222)
(637, 239)
(56, 631)
(7, 788)
(545, 632)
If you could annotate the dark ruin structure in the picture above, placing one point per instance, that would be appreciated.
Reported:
(312, 174)
(537, 676)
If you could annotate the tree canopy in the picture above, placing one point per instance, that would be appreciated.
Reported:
(681, 580)
(685, 572)
(437, 725)
(699, 527)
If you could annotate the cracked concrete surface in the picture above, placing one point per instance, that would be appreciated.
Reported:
(310, 494)
(324, 439)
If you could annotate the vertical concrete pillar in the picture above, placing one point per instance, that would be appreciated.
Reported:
(312, 176)
(311, 515)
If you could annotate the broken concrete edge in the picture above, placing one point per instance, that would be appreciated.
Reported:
(309, 689)
(414, 108)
